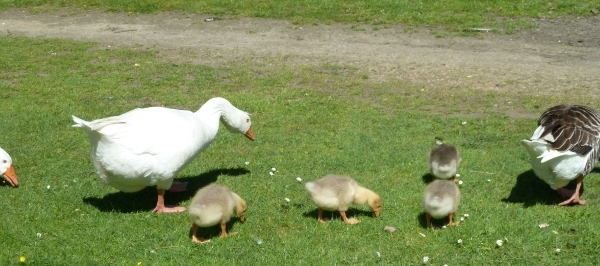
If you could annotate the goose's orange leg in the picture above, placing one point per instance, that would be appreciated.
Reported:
(160, 204)
(196, 239)
(223, 230)
(428, 218)
(574, 199)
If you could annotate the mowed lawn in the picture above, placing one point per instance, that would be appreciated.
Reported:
(63, 215)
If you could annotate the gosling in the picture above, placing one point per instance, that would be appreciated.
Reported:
(441, 199)
(213, 205)
(337, 193)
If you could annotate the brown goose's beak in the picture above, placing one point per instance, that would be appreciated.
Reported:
(249, 134)
(11, 177)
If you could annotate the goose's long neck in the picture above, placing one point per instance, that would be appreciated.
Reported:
(213, 111)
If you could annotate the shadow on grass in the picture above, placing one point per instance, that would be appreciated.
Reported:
(335, 215)
(145, 200)
(530, 190)
(435, 223)
(215, 231)
(427, 178)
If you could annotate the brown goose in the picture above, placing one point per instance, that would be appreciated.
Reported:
(444, 160)
(564, 147)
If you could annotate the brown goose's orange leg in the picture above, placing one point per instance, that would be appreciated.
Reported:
(575, 197)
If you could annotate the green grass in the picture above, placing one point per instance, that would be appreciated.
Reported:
(308, 121)
(454, 15)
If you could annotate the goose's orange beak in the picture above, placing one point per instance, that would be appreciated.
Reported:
(249, 134)
(11, 177)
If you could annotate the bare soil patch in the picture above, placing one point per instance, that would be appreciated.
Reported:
(560, 57)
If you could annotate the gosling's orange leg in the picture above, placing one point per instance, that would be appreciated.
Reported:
(196, 239)
(450, 220)
(343, 214)
(575, 197)
(348, 221)
(223, 230)
(428, 218)
(321, 216)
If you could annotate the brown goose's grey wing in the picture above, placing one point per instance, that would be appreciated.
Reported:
(573, 128)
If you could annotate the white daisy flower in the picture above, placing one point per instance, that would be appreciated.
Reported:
(425, 259)
(48, 187)
(258, 240)
(299, 179)
(271, 173)
(459, 241)
(378, 254)
(557, 250)
(287, 199)
(247, 163)
(462, 219)
(273, 169)
(39, 234)
(460, 182)
(499, 242)
(457, 175)
(466, 215)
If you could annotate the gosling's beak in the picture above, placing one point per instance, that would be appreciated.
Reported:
(242, 217)
(249, 134)
(377, 212)
(11, 177)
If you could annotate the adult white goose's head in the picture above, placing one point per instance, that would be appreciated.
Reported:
(236, 120)
(239, 123)
(7, 170)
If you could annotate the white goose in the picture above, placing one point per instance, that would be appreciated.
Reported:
(7, 170)
(564, 147)
(149, 146)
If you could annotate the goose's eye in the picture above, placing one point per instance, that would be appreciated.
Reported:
(4, 161)
(247, 120)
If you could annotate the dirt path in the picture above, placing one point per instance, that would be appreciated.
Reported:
(558, 57)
